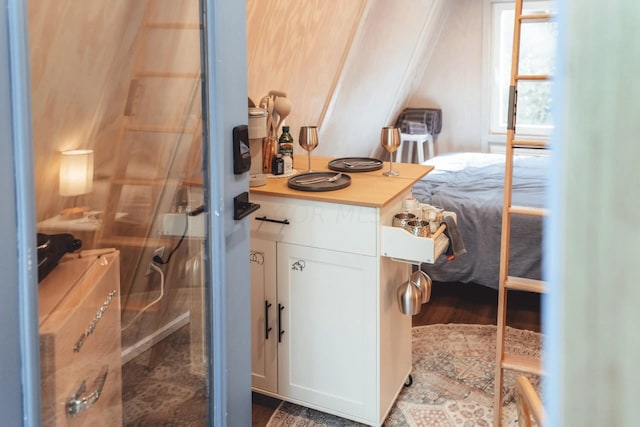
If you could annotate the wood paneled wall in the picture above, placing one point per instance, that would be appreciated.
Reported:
(299, 47)
(81, 57)
(85, 58)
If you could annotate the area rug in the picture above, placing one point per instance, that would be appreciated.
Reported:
(453, 376)
(164, 392)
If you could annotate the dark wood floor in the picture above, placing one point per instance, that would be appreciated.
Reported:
(450, 303)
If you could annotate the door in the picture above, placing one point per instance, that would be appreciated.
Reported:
(264, 330)
(328, 355)
(80, 102)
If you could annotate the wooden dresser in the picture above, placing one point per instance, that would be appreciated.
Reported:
(79, 308)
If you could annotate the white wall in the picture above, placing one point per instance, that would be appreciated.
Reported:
(386, 59)
(452, 80)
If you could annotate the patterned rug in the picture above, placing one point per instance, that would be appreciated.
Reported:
(159, 389)
(453, 371)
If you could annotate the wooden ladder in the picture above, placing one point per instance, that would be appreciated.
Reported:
(160, 140)
(506, 282)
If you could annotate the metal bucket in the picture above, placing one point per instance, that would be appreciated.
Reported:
(401, 219)
(418, 228)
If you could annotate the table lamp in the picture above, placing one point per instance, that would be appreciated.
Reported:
(76, 178)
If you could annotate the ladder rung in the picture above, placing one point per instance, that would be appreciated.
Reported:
(166, 74)
(536, 17)
(524, 284)
(129, 241)
(145, 182)
(532, 365)
(527, 210)
(158, 129)
(533, 77)
(533, 144)
(174, 25)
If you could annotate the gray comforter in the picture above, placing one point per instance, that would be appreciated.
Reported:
(471, 185)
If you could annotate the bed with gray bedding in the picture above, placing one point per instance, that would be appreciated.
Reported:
(471, 185)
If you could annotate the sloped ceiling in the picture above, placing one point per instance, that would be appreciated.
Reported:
(299, 47)
(348, 66)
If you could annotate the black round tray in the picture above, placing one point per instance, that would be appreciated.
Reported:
(342, 182)
(358, 164)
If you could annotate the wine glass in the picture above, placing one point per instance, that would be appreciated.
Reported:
(308, 140)
(390, 141)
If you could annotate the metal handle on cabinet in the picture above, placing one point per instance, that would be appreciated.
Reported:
(94, 322)
(267, 329)
(277, 221)
(79, 402)
(280, 330)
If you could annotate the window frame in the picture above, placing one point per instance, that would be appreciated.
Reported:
(493, 134)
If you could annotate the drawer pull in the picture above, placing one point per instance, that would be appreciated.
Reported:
(267, 329)
(277, 221)
(280, 330)
(94, 322)
(80, 402)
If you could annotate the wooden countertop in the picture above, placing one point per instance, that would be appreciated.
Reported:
(366, 189)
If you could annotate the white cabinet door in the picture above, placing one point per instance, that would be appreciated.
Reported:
(264, 356)
(327, 356)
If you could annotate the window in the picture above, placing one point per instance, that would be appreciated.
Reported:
(537, 54)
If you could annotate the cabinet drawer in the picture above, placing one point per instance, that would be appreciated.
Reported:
(401, 245)
(346, 228)
(80, 343)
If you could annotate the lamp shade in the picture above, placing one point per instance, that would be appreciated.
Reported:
(76, 172)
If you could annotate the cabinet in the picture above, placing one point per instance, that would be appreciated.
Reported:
(326, 329)
(264, 356)
(326, 354)
(79, 313)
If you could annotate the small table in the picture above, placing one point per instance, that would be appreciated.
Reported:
(83, 228)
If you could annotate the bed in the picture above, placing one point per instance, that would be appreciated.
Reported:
(471, 185)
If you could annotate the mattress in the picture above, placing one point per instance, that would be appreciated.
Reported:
(471, 185)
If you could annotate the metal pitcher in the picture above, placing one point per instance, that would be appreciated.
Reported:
(409, 298)
(422, 281)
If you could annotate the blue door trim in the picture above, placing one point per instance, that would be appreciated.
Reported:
(20, 395)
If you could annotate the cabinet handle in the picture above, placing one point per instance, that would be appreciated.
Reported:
(280, 330)
(277, 221)
(80, 401)
(267, 329)
(94, 322)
